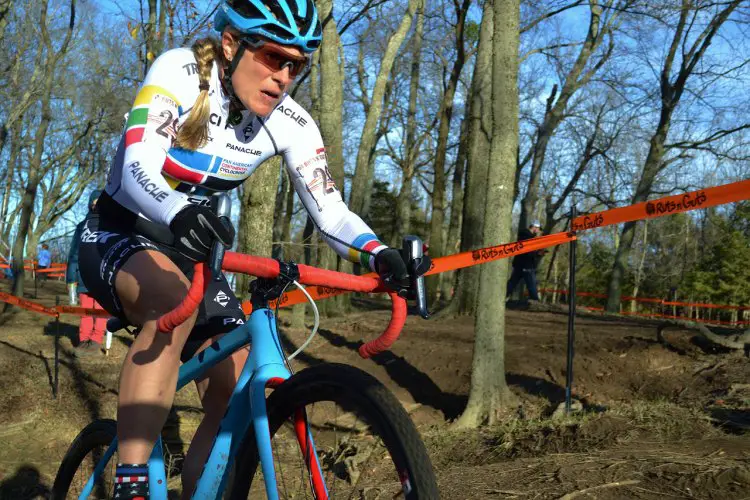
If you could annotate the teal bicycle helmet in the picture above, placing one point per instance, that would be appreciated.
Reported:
(288, 22)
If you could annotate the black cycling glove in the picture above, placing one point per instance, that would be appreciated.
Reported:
(394, 271)
(195, 228)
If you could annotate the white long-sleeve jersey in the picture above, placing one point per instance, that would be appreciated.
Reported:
(155, 179)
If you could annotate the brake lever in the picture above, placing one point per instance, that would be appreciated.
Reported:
(412, 253)
(221, 204)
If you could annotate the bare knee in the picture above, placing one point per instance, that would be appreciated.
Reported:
(149, 286)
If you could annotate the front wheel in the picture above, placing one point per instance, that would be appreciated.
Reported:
(89, 447)
(367, 446)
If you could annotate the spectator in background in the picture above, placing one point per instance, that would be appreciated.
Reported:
(7, 271)
(524, 265)
(92, 329)
(44, 259)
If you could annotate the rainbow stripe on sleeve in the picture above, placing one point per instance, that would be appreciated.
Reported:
(138, 116)
(367, 242)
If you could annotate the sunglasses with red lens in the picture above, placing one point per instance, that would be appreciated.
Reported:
(274, 57)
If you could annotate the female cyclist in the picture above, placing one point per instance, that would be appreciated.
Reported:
(202, 122)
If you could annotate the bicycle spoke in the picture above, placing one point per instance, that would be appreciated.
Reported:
(353, 461)
(104, 484)
(365, 447)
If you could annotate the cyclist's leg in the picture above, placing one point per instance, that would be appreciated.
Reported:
(148, 285)
(220, 312)
(132, 278)
(214, 389)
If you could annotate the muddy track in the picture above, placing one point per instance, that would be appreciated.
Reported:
(660, 419)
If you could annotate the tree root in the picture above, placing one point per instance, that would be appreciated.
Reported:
(740, 341)
(586, 491)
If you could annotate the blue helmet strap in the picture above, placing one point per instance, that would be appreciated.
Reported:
(236, 59)
(235, 105)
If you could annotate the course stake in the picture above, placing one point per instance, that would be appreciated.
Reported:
(571, 314)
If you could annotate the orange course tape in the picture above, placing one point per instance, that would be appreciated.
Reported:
(439, 265)
(650, 209)
(649, 300)
(83, 311)
(52, 311)
(27, 304)
(693, 200)
(51, 269)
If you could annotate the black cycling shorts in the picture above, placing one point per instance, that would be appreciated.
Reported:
(104, 249)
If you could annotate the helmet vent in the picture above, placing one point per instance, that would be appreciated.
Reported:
(275, 9)
(246, 9)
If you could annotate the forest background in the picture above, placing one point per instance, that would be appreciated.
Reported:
(619, 101)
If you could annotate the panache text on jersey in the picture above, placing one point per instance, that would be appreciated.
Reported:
(250, 151)
(286, 110)
(145, 182)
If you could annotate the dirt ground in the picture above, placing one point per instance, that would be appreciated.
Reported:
(659, 420)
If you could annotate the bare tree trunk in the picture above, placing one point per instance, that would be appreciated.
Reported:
(279, 214)
(308, 240)
(490, 394)
(255, 234)
(362, 173)
(172, 10)
(403, 202)
(150, 32)
(672, 85)
(5, 8)
(11, 223)
(32, 239)
(639, 272)
(331, 127)
(298, 316)
(30, 86)
(480, 130)
(453, 241)
(286, 229)
(35, 164)
(162, 31)
(437, 220)
(15, 149)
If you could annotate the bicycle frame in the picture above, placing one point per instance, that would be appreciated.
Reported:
(265, 366)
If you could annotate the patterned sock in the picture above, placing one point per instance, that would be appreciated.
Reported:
(131, 482)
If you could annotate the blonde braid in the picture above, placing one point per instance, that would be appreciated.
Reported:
(193, 133)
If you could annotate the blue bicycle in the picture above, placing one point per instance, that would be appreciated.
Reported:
(329, 431)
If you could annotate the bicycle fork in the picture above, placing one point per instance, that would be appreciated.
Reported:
(266, 348)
